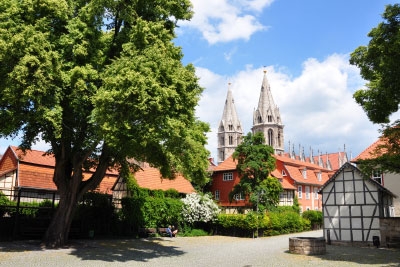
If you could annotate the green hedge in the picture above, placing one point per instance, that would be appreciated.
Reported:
(151, 212)
(315, 217)
(272, 223)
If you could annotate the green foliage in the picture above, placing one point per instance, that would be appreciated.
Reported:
(378, 63)
(101, 82)
(4, 201)
(255, 163)
(151, 211)
(286, 222)
(192, 232)
(314, 216)
(272, 223)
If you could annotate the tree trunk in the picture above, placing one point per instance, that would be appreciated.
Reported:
(58, 230)
(68, 179)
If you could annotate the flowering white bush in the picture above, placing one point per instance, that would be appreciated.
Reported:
(199, 208)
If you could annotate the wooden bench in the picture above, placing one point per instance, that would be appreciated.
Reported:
(146, 232)
(163, 232)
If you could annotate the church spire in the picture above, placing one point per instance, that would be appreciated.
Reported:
(229, 129)
(267, 119)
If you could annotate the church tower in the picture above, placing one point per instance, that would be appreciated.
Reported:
(267, 119)
(229, 130)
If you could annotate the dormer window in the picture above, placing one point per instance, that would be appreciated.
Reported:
(319, 176)
(377, 176)
(283, 173)
(304, 173)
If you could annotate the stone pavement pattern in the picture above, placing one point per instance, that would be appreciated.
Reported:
(191, 251)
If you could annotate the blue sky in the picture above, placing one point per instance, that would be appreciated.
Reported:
(303, 44)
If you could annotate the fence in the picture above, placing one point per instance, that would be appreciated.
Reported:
(28, 211)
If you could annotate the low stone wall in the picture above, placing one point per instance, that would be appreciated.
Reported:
(307, 245)
(390, 231)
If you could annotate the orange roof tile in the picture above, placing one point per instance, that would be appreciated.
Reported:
(369, 152)
(286, 184)
(151, 178)
(41, 158)
(228, 164)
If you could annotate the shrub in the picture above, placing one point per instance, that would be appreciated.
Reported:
(314, 216)
(199, 208)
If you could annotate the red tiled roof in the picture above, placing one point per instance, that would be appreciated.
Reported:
(151, 178)
(228, 164)
(36, 169)
(41, 158)
(287, 185)
(369, 152)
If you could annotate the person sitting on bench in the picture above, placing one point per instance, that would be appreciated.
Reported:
(171, 231)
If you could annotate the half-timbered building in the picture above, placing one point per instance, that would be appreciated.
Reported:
(353, 205)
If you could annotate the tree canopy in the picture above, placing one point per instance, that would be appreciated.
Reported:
(254, 165)
(102, 82)
(379, 65)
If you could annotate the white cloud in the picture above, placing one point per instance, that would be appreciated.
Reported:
(224, 21)
(317, 107)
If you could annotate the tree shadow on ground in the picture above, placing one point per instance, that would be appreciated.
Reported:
(113, 250)
(139, 250)
(358, 255)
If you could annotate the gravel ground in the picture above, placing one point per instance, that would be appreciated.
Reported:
(191, 251)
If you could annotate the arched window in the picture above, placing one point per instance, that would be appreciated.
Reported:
(231, 140)
(270, 138)
(259, 119)
(269, 118)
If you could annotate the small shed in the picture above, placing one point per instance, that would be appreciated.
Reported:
(353, 205)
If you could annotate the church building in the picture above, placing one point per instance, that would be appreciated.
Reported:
(300, 176)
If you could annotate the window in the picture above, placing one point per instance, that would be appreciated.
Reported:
(307, 188)
(231, 140)
(307, 208)
(227, 176)
(270, 137)
(304, 173)
(222, 141)
(377, 176)
(230, 126)
(269, 118)
(299, 191)
(238, 197)
(283, 173)
(259, 119)
(315, 192)
(216, 194)
(319, 176)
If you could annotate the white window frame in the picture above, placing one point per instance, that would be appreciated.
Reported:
(238, 197)
(377, 176)
(304, 173)
(227, 176)
(283, 173)
(300, 191)
(217, 194)
(315, 192)
(319, 176)
(307, 191)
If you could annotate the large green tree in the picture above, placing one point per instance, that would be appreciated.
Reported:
(255, 162)
(379, 65)
(100, 81)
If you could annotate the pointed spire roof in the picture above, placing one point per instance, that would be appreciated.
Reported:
(229, 116)
(266, 104)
